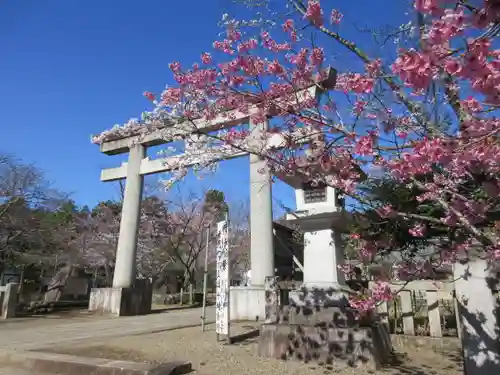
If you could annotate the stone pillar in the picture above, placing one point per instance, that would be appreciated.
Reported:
(261, 215)
(407, 312)
(125, 267)
(9, 303)
(322, 254)
(433, 313)
(478, 312)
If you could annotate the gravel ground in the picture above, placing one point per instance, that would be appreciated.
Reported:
(211, 358)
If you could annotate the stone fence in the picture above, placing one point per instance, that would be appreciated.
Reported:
(421, 307)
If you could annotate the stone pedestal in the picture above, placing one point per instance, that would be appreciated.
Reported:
(324, 344)
(121, 301)
(319, 325)
(247, 303)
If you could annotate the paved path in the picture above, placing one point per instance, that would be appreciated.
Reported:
(16, 371)
(37, 333)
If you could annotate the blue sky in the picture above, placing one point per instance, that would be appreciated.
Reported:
(72, 68)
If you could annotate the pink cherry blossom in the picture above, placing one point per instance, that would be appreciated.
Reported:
(364, 146)
(288, 26)
(149, 95)
(385, 211)
(175, 66)
(417, 231)
(415, 69)
(336, 17)
(314, 12)
(373, 68)
(206, 58)
(427, 120)
(317, 56)
(429, 6)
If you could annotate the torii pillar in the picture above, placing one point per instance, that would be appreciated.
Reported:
(127, 296)
(248, 302)
(125, 265)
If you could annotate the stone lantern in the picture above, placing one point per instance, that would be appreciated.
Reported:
(320, 215)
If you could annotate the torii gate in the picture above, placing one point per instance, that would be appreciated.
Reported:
(138, 165)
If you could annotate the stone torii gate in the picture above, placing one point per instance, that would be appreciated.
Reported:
(125, 297)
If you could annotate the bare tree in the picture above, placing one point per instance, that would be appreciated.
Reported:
(101, 238)
(25, 195)
(99, 241)
(239, 238)
(154, 251)
(191, 216)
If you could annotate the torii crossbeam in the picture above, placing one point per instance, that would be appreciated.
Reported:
(138, 165)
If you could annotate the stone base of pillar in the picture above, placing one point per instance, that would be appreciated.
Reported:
(318, 325)
(121, 301)
(247, 303)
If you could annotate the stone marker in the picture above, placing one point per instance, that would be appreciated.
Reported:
(9, 301)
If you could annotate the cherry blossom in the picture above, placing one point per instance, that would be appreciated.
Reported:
(336, 16)
(314, 12)
(427, 119)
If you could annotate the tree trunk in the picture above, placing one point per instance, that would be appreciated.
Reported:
(159, 281)
(42, 269)
(94, 278)
(2, 266)
(109, 279)
(21, 283)
(191, 295)
(181, 295)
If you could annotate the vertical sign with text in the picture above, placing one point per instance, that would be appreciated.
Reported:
(223, 278)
